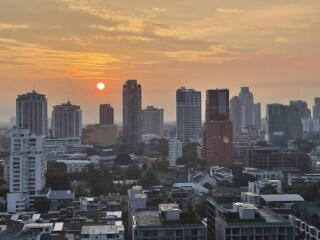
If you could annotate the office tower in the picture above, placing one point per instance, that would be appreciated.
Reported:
(27, 167)
(217, 104)
(106, 114)
(132, 112)
(31, 113)
(188, 110)
(246, 104)
(218, 135)
(66, 121)
(284, 124)
(302, 108)
(257, 115)
(316, 108)
(152, 121)
(175, 151)
(235, 115)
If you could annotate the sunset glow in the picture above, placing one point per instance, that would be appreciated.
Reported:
(101, 86)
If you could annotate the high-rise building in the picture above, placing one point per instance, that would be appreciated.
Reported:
(152, 121)
(257, 115)
(27, 167)
(316, 108)
(247, 107)
(66, 121)
(235, 115)
(284, 124)
(218, 136)
(189, 123)
(106, 114)
(132, 112)
(217, 105)
(302, 108)
(175, 151)
(31, 113)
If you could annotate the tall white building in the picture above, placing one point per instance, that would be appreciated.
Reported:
(27, 167)
(152, 121)
(175, 151)
(31, 113)
(66, 121)
(189, 123)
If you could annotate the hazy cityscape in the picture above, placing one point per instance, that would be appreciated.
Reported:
(222, 161)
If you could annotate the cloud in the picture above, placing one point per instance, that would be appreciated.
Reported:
(13, 27)
(281, 39)
(228, 10)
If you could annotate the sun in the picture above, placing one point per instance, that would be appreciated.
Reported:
(101, 86)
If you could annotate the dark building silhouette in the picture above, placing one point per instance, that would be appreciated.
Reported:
(132, 112)
(106, 114)
(284, 124)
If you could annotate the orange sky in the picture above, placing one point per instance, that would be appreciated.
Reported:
(62, 48)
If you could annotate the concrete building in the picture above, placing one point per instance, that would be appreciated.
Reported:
(66, 121)
(217, 105)
(302, 108)
(246, 221)
(102, 232)
(106, 114)
(175, 151)
(315, 158)
(316, 108)
(218, 136)
(306, 178)
(263, 174)
(188, 114)
(31, 113)
(235, 115)
(163, 221)
(27, 168)
(132, 123)
(152, 121)
(247, 107)
(100, 135)
(257, 115)
(256, 186)
(284, 125)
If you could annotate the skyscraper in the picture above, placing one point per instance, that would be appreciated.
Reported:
(218, 136)
(217, 104)
(31, 113)
(132, 112)
(257, 115)
(302, 108)
(188, 110)
(66, 121)
(316, 108)
(247, 107)
(106, 114)
(152, 121)
(235, 115)
(27, 167)
(284, 124)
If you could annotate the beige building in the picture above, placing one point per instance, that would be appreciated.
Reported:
(100, 135)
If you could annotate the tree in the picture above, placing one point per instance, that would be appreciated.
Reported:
(268, 189)
(163, 146)
(189, 155)
(304, 145)
(242, 180)
(149, 179)
(133, 172)
(57, 176)
(123, 159)
(42, 205)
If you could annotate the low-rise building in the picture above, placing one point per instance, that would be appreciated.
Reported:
(263, 174)
(307, 178)
(102, 232)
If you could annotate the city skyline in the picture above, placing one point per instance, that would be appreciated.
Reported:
(270, 46)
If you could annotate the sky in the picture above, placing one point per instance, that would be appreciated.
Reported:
(63, 48)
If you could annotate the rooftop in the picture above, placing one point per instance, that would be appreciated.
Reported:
(282, 198)
(104, 229)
